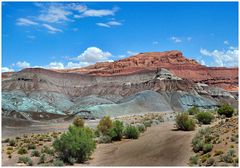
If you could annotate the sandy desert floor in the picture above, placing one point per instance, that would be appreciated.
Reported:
(160, 145)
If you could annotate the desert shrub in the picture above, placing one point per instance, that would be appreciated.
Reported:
(198, 145)
(97, 133)
(218, 152)
(141, 128)
(202, 138)
(35, 153)
(58, 162)
(194, 110)
(31, 146)
(205, 157)
(76, 143)
(105, 124)
(47, 150)
(18, 138)
(183, 122)
(5, 140)
(78, 122)
(147, 123)
(131, 132)
(26, 160)
(104, 139)
(10, 156)
(204, 117)
(22, 151)
(194, 160)
(228, 157)
(12, 142)
(207, 148)
(226, 110)
(9, 152)
(9, 148)
(116, 132)
(160, 118)
(42, 158)
(210, 162)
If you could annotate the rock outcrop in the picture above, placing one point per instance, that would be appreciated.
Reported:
(174, 61)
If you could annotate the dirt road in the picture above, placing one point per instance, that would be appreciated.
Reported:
(159, 146)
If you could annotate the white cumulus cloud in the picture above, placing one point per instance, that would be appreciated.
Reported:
(55, 65)
(226, 58)
(6, 69)
(22, 64)
(93, 55)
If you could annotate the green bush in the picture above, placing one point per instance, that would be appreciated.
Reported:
(141, 127)
(207, 148)
(204, 117)
(76, 143)
(12, 142)
(22, 151)
(226, 110)
(131, 132)
(228, 157)
(194, 160)
(105, 139)
(105, 124)
(26, 160)
(35, 153)
(47, 150)
(147, 123)
(58, 162)
(31, 146)
(42, 158)
(194, 110)
(198, 145)
(200, 140)
(210, 162)
(183, 122)
(78, 122)
(116, 132)
(5, 140)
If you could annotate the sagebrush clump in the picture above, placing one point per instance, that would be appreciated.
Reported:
(105, 124)
(204, 117)
(77, 143)
(78, 122)
(26, 160)
(194, 110)
(184, 122)
(131, 132)
(116, 132)
(226, 110)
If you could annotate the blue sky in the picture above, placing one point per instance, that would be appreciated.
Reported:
(70, 35)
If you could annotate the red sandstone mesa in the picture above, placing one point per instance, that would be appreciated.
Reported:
(174, 61)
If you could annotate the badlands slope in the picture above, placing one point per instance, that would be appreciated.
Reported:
(147, 82)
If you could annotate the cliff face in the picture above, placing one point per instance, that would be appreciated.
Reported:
(174, 61)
